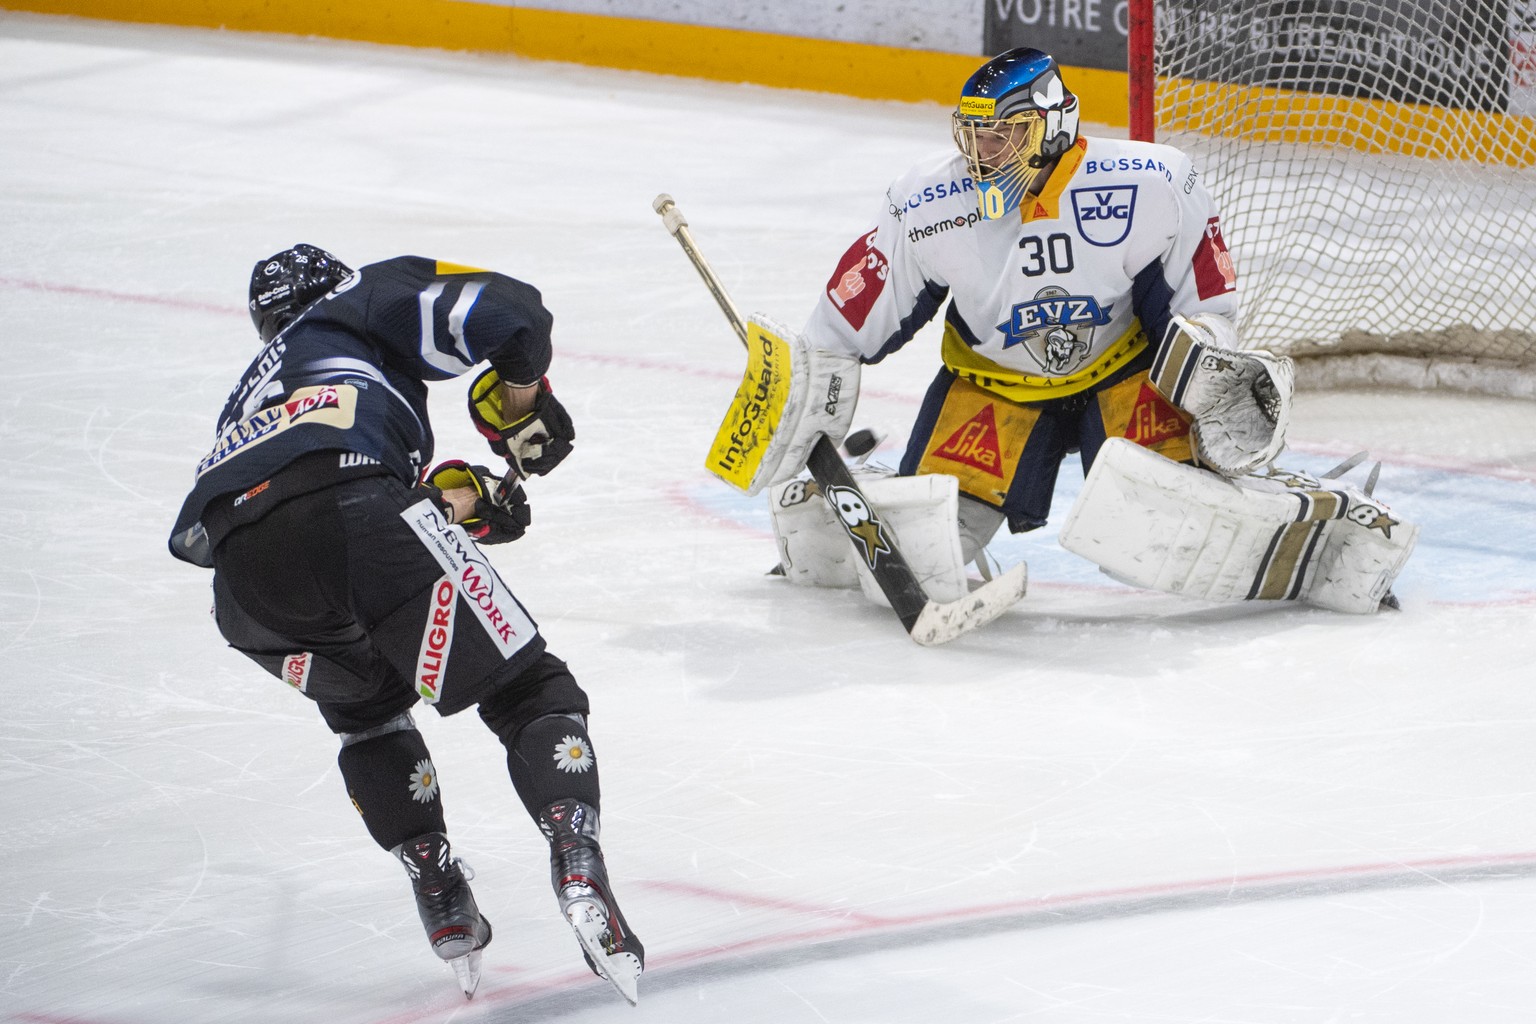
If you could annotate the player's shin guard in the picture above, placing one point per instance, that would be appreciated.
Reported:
(552, 760)
(389, 776)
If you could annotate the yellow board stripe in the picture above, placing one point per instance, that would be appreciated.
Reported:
(697, 51)
(1268, 114)
(818, 65)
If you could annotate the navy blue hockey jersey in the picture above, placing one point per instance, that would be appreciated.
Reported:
(348, 376)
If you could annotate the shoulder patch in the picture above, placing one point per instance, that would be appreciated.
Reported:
(1215, 274)
(858, 280)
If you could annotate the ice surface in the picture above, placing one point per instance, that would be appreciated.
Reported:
(1107, 806)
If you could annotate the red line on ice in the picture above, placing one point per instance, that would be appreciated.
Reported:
(857, 922)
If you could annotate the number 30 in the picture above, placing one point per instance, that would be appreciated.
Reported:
(1055, 250)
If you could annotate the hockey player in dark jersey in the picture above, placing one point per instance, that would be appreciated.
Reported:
(346, 571)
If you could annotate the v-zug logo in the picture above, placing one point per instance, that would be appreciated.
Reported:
(1104, 214)
(1055, 328)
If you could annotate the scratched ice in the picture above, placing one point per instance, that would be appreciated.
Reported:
(1108, 806)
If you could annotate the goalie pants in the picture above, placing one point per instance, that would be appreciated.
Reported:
(335, 593)
(1007, 454)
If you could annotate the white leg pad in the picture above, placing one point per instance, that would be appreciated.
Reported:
(920, 512)
(1157, 524)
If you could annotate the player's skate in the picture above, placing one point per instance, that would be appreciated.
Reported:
(581, 884)
(454, 925)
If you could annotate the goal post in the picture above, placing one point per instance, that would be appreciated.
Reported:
(1375, 166)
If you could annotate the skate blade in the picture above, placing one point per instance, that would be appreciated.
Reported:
(622, 970)
(467, 969)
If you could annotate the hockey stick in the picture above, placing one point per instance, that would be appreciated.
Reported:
(928, 622)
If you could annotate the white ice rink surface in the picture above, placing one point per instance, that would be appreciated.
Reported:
(1108, 806)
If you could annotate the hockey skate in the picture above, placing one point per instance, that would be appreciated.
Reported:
(586, 900)
(454, 925)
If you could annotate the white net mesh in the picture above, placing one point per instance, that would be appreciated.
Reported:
(1375, 165)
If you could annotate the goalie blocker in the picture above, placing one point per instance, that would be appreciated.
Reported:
(791, 394)
(1283, 535)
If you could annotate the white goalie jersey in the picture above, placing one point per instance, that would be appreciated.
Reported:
(1044, 304)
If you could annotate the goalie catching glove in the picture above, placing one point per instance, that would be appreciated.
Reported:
(533, 442)
(500, 513)
(1240, 401)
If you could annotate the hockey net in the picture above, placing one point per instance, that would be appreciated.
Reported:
(1375, 166)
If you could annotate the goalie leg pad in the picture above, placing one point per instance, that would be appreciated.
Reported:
(791, 394)
(1283, 536)
(919, 511)
(813, 549)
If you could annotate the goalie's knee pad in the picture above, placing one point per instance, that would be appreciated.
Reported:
(920, 511)
(978, 524)
(1154, 523)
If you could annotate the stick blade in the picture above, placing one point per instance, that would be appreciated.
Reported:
(940, 623)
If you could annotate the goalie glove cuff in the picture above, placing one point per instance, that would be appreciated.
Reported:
(534, 442)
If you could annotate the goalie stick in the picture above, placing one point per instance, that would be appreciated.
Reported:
(927, 622)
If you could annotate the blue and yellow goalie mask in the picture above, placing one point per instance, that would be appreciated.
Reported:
(1015, 117)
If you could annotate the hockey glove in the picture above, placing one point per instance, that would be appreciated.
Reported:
(535, 442)
(1240, 400)
(501, 512)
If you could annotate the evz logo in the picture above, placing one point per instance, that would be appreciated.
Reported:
(1104, 214)
(1056, 329)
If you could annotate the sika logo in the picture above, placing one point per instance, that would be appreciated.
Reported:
(1153, 420)
(975, 444)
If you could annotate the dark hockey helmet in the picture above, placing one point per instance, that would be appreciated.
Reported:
(1015, 116)
(284, 283)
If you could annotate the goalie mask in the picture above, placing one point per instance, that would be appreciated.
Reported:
(1014, 118)
(284, 283)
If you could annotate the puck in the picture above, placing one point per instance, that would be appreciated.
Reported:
(861, 442)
